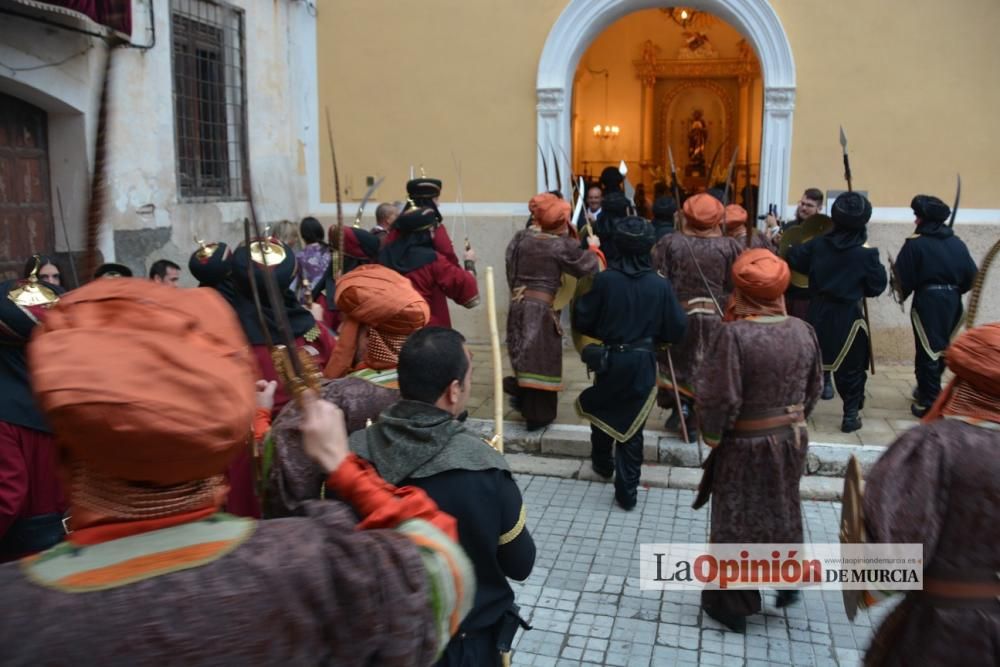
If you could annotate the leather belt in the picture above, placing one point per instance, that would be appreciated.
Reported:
(640, 344)
(521, 293)
(770, 422)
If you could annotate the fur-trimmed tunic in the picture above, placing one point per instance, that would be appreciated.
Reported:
(536, 260)
(678, 257)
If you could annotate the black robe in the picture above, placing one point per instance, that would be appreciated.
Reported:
(842, 271)
(624, 309)
(936, 267)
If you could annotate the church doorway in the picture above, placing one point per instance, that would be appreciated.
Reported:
(707, 81)
(670, 82)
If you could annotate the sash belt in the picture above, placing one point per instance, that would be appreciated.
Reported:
(521, 293)
(770, 422)
(973, 587)
(947, 288)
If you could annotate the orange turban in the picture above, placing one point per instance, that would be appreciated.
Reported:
(387, 302)
(549, 211)
(974, 357)
(736, 217)
(760, 278)
(703, 211)
(143, 382)
(761, 274)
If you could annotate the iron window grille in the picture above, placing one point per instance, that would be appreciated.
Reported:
(209, 99)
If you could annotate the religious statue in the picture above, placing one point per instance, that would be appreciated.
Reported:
(697, 138)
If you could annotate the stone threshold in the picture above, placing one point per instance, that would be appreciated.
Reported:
(571, 442)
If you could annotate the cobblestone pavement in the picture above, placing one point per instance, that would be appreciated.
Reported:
(584, 601)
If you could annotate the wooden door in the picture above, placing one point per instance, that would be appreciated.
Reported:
(26, 225)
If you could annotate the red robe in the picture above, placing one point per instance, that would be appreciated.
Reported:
(29, 481)
(441, 280)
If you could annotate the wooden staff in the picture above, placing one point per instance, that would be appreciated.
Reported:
(491, 309)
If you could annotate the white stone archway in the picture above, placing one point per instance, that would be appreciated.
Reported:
(583, 20)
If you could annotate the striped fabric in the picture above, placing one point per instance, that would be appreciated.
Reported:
(388, 378)
(450, 574)
(538, 381)
(115, 563)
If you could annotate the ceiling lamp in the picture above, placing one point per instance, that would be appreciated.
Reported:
(606, 131)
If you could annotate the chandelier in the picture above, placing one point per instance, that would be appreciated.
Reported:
(688, 18)
(605, 131)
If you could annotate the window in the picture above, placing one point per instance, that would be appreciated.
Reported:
(209, 99)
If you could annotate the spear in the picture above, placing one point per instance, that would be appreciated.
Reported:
(864, 301)
(339, 257)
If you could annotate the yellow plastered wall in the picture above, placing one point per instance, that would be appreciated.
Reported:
(913, 82)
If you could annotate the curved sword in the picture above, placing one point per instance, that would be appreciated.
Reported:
(364, 200)
(958, 197)
(545, 166)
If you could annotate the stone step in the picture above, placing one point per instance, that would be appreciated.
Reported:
(573, 441)
(653, 475)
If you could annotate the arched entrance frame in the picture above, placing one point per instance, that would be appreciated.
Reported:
(583, 20)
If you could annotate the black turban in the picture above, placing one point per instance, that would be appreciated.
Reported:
(611, 179)
(930, 209)
(210, 265)
(614, 205)
(664, 209)
(717, 193)
(423, 188)
(415, 220)
(634, 236)
(113, 271)
(851, 210)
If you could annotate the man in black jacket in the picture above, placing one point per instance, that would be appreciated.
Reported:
(936, 267)
(421, 439)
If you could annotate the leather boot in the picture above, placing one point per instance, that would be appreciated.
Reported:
(851, 422)
(827, 386)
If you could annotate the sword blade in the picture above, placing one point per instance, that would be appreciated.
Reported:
(364, 200)
(958, 198)
(545, 166)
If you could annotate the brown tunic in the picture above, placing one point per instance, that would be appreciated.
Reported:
(674, 257)
(293, 477)
(536, 260)
(753, 366)
(939, 484)
(301, 591)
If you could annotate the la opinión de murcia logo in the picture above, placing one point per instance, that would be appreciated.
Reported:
(823, 566)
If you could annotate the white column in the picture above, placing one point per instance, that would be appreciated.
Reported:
(775, 158)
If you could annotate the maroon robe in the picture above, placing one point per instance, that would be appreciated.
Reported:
(754, 367)
(293, 477)
(243, 500)
(939, 484)
(310, 590)
(678, 258)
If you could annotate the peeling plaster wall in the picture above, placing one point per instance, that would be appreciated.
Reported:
(145, 219)
(143, 185)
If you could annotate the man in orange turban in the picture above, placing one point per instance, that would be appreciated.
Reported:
(736, 227)
(758, 383)
(381, 309)
(697, 261)
(150, 392)
(938, 485)
(536, 259)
